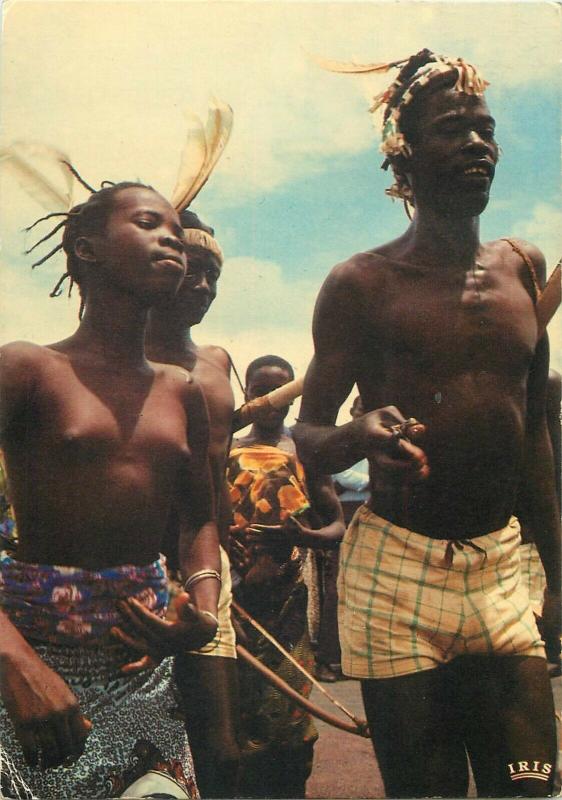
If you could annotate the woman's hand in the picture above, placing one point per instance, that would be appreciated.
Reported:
(44, 711)
(156, 637)
(301, 535)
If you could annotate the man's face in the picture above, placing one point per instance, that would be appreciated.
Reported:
(141, 250)
(454, 153)
(199, 287)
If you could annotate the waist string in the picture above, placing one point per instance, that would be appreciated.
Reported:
(460, 544)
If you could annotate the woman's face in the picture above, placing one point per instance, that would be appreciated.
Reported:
(265, 380)
(141, 251)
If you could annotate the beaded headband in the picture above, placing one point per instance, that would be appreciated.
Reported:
(401, 92)
(199, 238)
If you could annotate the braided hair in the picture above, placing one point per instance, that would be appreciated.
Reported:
(84, 219)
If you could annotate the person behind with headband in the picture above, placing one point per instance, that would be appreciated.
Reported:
(274, 510)
(99, 445)
(438, 326)
(208, 678)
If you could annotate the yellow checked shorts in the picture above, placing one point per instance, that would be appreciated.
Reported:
(224, 643)
(532, 575)
(409, 603)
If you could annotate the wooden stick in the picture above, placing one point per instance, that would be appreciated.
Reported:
(360, 729)
(270, 638)
(549, 300)
(261, 406)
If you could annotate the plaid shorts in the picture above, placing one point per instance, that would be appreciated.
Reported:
(409, 603)
(532, 575)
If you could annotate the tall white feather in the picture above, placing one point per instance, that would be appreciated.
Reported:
(202, 150)
(28, 162)
(351, 67)
(192, 161)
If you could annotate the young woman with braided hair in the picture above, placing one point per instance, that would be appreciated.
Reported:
(99, 444)
(438, 326)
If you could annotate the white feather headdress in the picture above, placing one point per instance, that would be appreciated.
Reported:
(42, 171)
(202, 150)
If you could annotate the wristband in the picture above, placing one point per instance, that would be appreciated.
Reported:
(202, 575)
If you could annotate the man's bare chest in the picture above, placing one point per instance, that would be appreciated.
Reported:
(478, 318)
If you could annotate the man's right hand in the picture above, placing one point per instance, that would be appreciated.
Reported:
(44, 711)
(396, 456)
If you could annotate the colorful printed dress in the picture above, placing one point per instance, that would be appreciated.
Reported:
(8, 531)
(267, 485)
(137, 746)
(138, 743)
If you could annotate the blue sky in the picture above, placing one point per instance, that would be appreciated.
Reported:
(299, 187)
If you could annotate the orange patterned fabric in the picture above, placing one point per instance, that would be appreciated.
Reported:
(266, 484)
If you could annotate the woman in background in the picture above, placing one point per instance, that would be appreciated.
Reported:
(274, 511)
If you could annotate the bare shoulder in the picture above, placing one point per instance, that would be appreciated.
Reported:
(217, 356)
(22, 359)
(523, 251)
(351, 283)
(21, 366)
(352, 290)
(355, 271)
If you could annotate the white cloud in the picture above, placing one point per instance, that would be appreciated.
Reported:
(115, 102)
(258, 311)
(28, 313)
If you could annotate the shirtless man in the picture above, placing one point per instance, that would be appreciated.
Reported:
(438, 326)
(99, 445)
(208, 679)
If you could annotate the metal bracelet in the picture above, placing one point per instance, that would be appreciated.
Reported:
(202, 575)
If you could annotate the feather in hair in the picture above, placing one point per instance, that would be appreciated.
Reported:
(193, 157)
(351, 67)
(32, 164)
(203, 148)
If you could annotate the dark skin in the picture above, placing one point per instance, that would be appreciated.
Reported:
(270, 429)
(212, 728)
(262, 576)
(438, 326)
(93, 468)
(169, 340)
